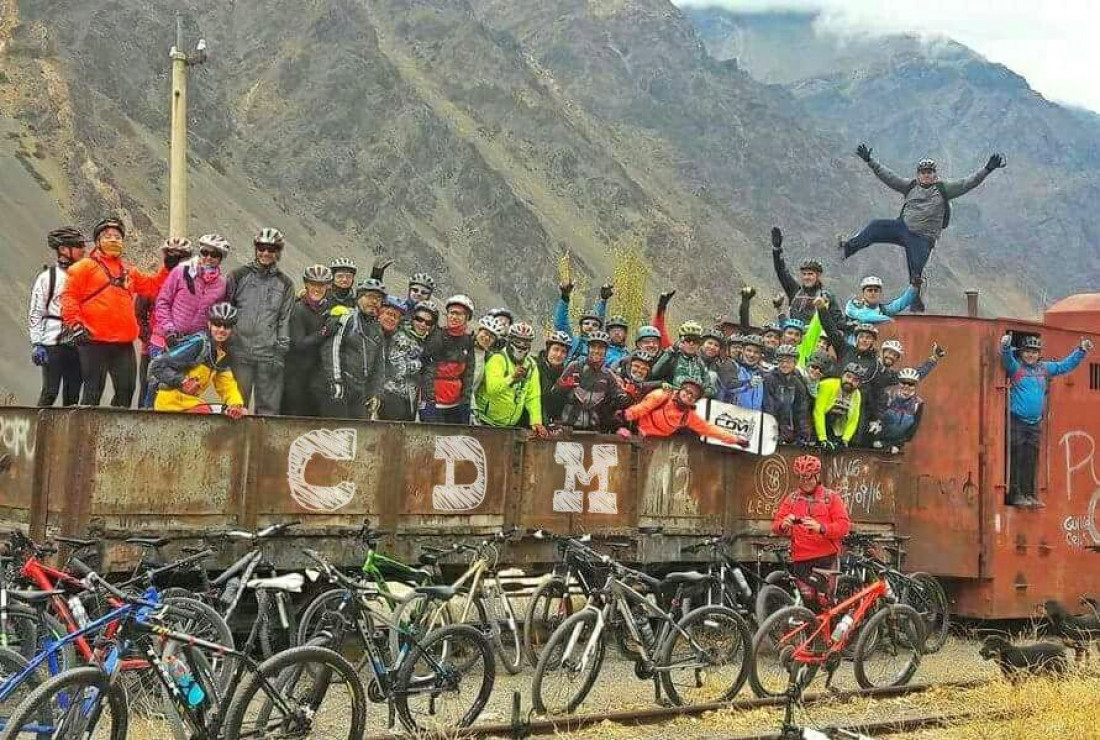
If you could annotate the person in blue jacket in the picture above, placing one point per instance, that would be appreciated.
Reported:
(1027, 377)
(617, 328)
(588, 322)
(868, 308)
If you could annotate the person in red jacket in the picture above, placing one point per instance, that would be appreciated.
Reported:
(816, 520)
(665, 412)
(97, 306)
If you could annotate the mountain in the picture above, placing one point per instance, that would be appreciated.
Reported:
(476, 139)
(910, 98)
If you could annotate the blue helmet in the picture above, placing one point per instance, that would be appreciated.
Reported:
(795, 324)
(647, 332)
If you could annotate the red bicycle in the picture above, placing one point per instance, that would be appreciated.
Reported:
(889, 641)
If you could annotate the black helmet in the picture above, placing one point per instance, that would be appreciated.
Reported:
(591, 316)
(855, 369)
(866, 329)
(108, 223)
(714, 334)
(771, 327)
(753, 340)
(223, 313)
(1032, 342)
(737, 338)
(599, 337)
(821, 360)
(616, 320)
(811, 264)
(66, 236)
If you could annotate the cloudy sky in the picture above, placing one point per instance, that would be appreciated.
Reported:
(1051, 44)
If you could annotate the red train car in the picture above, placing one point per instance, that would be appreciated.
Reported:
(1002, 561)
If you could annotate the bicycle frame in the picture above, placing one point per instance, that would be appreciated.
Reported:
(861, 602)
(372, 567)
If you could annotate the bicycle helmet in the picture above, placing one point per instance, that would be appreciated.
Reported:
(753, 340)
(462, 300)
(176, 244)
(786, 350)
(217, 242)
(491, 324)
(821, 360)
(807, 465)
(737, 339)
(108, 223)
(771, 327)
(392, 301)
(559, 337)
(343, 264)
(1032, 343)
(223, 313)
(647, 332)
(64, 237)
(908, 375)
(866, 329)
(795, 324)
(690, 329)
(640, 355)
(521, 332)
(370, 285)
(854, 368)
(429, 307)
(590, 316)
(893, 345)
(714, 334)
(617, 320)
(812, 265)
(270, 236)
(317, 274)
(503, 313)
(695, 382)
(871, 281)
(422, 278)
(600, 337)
(926, 164)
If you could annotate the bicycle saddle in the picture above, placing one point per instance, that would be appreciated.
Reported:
(33, 597)
(148, 541)
(76, 541)
(440, 593)
(290, 582)
(688, 578)
(428, 558)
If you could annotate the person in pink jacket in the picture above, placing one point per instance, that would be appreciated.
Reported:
(189, 292)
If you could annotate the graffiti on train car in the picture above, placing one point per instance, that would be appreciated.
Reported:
(333, 444)
(450, 496)
(772, 482)
(17, 436)
(668, 484)
(568, 499)
(855, 479)
(1079, 449)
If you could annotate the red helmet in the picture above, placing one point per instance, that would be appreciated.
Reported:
(807, 465)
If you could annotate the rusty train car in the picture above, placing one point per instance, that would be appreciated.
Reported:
(116, 473)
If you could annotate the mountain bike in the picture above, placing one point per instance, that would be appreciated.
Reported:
(699, 658)
(888, 647)
(436, 681)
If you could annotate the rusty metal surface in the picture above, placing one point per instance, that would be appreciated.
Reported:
(18, 452)
(682, 487)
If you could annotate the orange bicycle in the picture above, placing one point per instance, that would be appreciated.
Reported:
(889, 641)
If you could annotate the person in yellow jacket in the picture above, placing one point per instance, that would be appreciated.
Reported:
(511, 384)
(184, 373)
(836, 410)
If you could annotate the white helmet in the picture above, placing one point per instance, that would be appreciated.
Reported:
(214, 241)
(461, 300)
(870, 281)
(894, 345)
(492, 324)
(909, 375)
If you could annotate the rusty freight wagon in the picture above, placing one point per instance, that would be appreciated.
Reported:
(117, 473)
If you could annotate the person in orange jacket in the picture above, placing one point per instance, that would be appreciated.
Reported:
(97, 308)
(664, 412)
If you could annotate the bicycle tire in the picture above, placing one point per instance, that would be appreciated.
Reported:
(413, 615)
(443, 640)
(274, 638)
(550, 661)
(32, 630)
(38, 707)
(769, 600)
(765, 647)
(11, 664)
(933, 606)
(505, 630)
(312, 616)
(896, 626)
(543, 616)
(290, 666)
(211, 627)
(692, 623)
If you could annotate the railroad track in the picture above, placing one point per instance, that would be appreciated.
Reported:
(521, 726)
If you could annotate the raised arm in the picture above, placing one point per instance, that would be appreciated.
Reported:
(882, 172)
(901, 303)
(1067, 364)
(1008, 358)
(955, 188)
(660, 318)
(782, 272)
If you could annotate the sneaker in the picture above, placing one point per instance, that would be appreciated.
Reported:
(917, 306)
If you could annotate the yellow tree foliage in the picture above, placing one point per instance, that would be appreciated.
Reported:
(630, 275)
(580, 281)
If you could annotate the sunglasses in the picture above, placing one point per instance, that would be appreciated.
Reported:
(268, 248)
(691, 340)
(222, 324)
(421, 320)
(910, 385)
(211, 253)
(420, 290)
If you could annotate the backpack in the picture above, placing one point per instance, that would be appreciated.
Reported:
(946, 201)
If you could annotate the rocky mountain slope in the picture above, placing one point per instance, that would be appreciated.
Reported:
(476, 139)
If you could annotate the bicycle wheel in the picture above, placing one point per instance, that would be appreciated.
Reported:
(769, 600)
(29, 632)
(300, 692)
(548, 607)
(314, 614)
(79, 703)
(926, 595)
(278, 623)
(505, 630)
(568, 667)
(197, 619)
(420, 615)
(895, 654)
(12, 664)
(772, 646)
(708, 662)
(445, 681)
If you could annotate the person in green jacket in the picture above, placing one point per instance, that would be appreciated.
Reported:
(511, 383)
(836, 410)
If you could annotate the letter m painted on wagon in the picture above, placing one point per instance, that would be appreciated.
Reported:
(568, 499)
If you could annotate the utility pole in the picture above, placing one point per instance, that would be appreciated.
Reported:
(177, 157)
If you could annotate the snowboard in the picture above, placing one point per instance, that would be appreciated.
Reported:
(761, 429)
